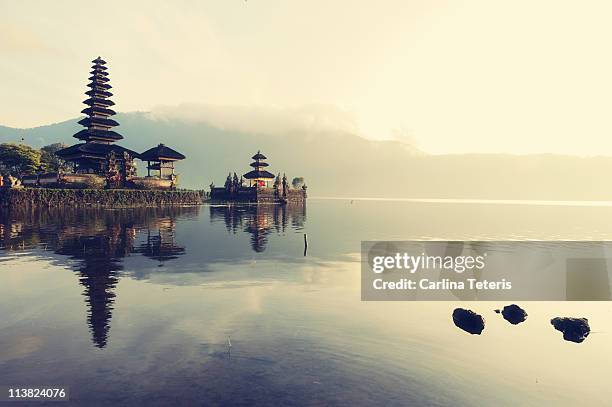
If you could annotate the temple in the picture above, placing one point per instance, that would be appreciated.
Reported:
(258, 189)
(98, 160)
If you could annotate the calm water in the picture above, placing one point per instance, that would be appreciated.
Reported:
(140, 306)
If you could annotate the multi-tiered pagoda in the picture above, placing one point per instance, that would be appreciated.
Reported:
(98, 150)
(259, 176)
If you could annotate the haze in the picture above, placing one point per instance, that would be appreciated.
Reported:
(449, 76)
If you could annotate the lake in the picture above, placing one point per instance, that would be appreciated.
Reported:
(219, 305)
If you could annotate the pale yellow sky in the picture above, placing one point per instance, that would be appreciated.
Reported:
(455, 76)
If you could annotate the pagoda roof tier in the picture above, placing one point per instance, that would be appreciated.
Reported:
(102, 73)
(98, 78)
(97, 84)
(94, 149)
(259, 156)
(255, 174)
(99, 121)
(90, 111)
(99, 67)
(87, 134)
(99, 60)
(98, 93)
(161, 153)
(259, 164)
(98, 101)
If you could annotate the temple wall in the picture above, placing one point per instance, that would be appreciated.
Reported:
(96, 197)
(152, 183)
(92, 181)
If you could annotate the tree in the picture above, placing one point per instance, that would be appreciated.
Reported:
(297, 182)
(49, 161)
(19, 159)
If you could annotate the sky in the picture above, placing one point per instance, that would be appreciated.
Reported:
(448, 76)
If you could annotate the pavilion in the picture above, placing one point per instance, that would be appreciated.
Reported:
(161, 159)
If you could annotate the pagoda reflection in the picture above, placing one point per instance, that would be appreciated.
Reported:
(259, 221)
(96, 242)
(98, 251)
(160, 241)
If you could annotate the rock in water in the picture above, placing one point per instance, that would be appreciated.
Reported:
(574, 329)
(468, 320)
(514, 314)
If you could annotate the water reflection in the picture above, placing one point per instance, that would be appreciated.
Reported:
(259, 220)
(96, 241)
(299, 331)
(97, 250)
(160, 243)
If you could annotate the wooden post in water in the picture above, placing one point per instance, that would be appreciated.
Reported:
(305, 244)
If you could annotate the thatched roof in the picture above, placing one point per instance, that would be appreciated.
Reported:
(98, 149)
(88, 121)
(86, 134)
(161, 152)
(94, 100)
(259, 156)
(98, 110)
(95, 84)
(95, 92)
(259, 174)
(98, 78)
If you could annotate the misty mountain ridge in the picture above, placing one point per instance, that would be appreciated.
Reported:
(335, 161)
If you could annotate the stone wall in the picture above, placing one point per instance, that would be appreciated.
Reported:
(110, 198)
(152, 183)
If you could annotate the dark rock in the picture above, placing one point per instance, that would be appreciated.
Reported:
(468, 320)
(574, 329)
(514, 314)
(497, 311)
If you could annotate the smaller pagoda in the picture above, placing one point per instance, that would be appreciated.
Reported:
(259, 177)
(161, 159)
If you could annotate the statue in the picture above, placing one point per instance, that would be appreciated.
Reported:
(173, 181)
(11, 182)
(129, 169)
(113, 175)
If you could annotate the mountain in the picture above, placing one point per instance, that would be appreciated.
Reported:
(337, 162)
